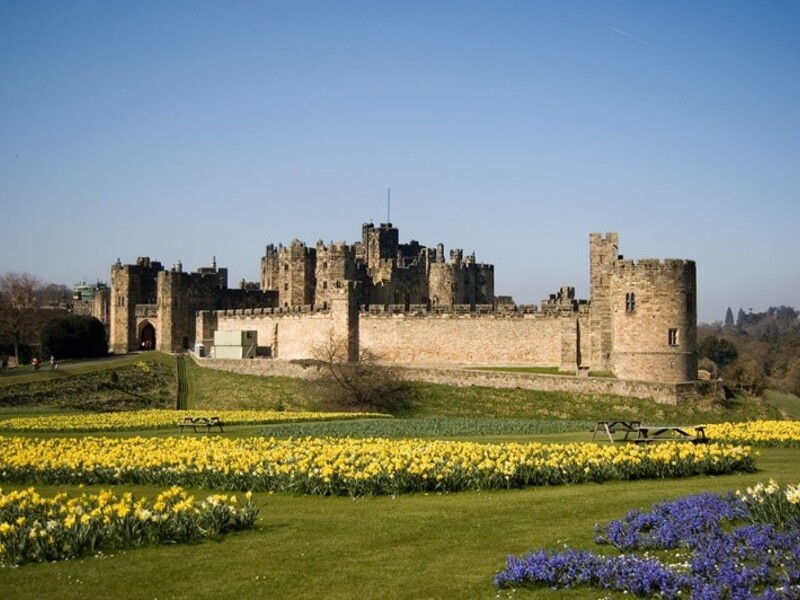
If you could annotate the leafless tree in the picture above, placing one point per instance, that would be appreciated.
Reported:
(361, 384)
(18, 314)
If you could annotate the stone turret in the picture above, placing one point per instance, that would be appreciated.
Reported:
(654, 320)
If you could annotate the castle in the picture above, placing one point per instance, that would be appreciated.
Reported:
(407, 304)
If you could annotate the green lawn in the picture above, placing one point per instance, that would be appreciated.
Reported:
(415, 546)
(412, 546)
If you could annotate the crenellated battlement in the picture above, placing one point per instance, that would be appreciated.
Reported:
(654, 263)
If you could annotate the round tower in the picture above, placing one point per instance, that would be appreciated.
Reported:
(653, 306)
(443, 284)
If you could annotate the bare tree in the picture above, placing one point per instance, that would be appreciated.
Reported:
(364, 383)
(18, 314)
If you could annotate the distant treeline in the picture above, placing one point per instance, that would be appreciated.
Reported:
(754, 350)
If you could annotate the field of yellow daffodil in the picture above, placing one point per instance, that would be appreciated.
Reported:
(355, 467)
(155, 419)
(757, 433)
(36, 528)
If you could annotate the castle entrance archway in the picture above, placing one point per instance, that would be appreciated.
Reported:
(147, 337)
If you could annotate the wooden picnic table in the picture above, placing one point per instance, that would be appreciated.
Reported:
(671, 433)
(611, 427)
(194, 422)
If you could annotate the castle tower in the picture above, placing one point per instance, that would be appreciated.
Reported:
(654, 316)
(603, 254)
(270, 268)
(484, 284)
(131, 286)
(335, 268)
(380, 244)
(180, 296)
(290, 272)
(172, 310)
(445, 282)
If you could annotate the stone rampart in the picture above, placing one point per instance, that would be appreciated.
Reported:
(662, 393)
(262, 367)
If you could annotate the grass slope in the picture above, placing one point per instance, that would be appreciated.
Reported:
(111, 384)
(87, 387)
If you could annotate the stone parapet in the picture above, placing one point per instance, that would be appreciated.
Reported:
(661, 393)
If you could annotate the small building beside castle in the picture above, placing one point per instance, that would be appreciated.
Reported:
(408, 303)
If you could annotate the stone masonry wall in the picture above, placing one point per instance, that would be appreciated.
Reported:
(291, 335)
(406, 337)
(459, 339)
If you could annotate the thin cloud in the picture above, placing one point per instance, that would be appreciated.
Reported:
(629, 36)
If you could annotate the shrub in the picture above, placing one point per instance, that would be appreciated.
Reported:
(74, 336)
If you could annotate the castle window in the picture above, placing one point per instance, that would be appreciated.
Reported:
(672, 337)
(481, 280)
(285, 267)
(324, 285)
(630, 302)
(324, 265)
(285, 287)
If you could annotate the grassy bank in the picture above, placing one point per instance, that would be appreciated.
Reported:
(123, 383)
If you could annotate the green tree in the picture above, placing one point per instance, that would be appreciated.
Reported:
(741, 319)
(719, 350)
(792, 379)
(729, 323)
(74, 336)
(745, 374)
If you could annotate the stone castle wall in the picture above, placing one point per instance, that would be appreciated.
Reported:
(289, 335)
(449, 338)
(414, 337)
(458, 339)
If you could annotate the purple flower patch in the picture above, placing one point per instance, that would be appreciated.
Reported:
(723, 555)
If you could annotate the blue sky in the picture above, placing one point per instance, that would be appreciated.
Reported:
(186, 130)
